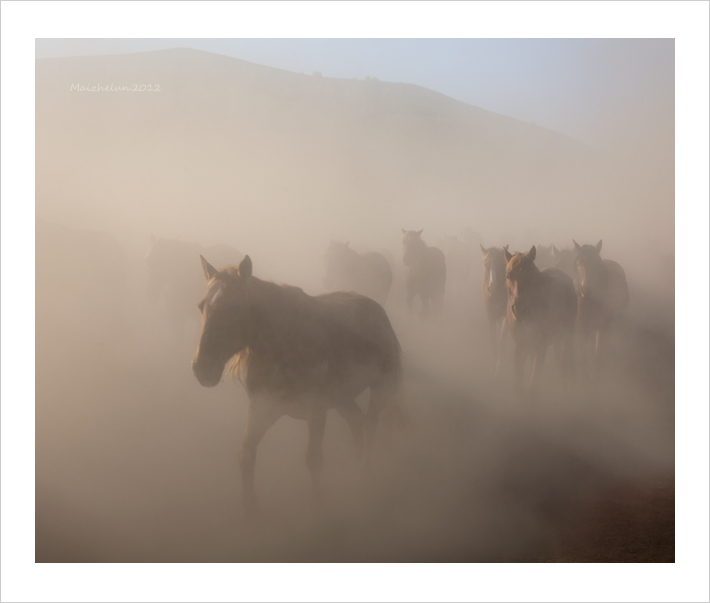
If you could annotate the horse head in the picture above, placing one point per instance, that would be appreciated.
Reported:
(413, 245)
(589, 269)
(226, 318)
(521, 274)
(494, 264)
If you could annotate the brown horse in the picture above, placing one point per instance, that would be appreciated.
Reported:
(542, 308)
(424, 273)
(603, 296)
(495, 296)
(296, 355)
(369, 274)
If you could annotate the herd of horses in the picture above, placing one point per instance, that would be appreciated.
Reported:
(301, 355)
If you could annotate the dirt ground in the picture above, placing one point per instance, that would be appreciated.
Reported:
(136, 462)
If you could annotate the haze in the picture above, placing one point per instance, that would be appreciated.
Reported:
(137, 462)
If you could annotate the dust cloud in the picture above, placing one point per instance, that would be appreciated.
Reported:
(136, 462)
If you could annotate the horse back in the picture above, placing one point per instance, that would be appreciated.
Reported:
(356, 324)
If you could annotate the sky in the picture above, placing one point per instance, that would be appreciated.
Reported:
(606, 92)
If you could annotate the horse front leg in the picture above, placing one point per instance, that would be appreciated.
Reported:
(314, 453)
(260, 417)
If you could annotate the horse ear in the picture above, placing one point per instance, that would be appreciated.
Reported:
(508, 255)
(404, 231)
(420, 232)
(483, 249)
(506, 247)
(577, 246)
(208, 268)
(598, 246)
(152, 239)
(532, 253)
(245, 267)
(555, 251)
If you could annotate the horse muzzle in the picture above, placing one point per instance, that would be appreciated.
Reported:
(208, 375)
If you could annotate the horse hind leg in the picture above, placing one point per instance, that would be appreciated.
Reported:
(260, 418)
(356, 421)
(314, 452)
(381, 394)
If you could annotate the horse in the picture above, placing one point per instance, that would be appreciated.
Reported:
(175, 275)
(369, 274)
(542, 309)
(495, 296)
(564, 260)
(424, 273)
(296, 355)
(603, 297)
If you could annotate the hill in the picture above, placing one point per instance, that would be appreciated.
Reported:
(230, 151)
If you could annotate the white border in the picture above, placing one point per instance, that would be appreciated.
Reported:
(22, 580)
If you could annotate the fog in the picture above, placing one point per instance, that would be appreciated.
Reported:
(135, 461)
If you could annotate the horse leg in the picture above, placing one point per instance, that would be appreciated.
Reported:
(356, 421)
(260, 417)
(381, 393)
(314, 453)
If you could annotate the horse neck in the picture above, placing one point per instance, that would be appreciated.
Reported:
(274, 315)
